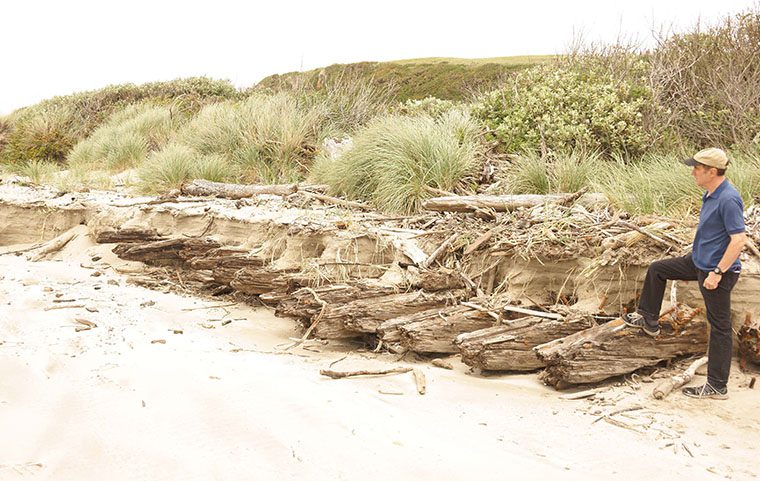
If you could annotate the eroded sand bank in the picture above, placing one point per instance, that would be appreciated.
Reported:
(225, 402)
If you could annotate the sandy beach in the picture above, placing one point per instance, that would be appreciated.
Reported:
(165, 388)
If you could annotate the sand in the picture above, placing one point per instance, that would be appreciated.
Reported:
(163, 389)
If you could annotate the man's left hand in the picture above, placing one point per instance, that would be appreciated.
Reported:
(711, 281)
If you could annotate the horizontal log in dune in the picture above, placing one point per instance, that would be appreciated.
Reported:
(498, 203)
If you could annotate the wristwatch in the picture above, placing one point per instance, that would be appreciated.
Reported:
(718, 271)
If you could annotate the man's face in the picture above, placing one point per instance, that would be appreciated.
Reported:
(703, 174)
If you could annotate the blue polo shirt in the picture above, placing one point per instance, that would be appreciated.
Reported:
(722, 215)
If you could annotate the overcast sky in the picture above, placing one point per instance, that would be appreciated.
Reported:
(62, 46)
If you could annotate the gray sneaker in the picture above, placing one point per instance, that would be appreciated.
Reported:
(705, 391)
(634, 319)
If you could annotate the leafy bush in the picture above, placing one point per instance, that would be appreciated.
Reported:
(397, 162)
(561, 108)
(431, 106)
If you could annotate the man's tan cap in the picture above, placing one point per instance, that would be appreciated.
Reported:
(711, 157)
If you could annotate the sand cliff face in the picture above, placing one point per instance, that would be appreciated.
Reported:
(342, 244)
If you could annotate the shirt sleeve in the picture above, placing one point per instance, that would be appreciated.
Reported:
(732, 211)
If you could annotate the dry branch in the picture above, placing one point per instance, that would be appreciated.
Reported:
(368, 372)
(51, 246)
(498, 203)
(662, 389)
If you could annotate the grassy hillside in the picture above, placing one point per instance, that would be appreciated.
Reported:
(441, 77)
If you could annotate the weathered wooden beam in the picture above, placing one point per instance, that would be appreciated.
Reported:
(613, 349)
(498, 203)
(437, 331)
(509, 347)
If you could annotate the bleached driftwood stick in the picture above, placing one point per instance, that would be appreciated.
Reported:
(368, 372)
(53, 245)
(666, 386)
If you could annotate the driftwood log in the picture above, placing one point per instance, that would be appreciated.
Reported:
(510, 347)
(260, 280)
(365, 315)
(344, 318)
(168, 252)
(436, 331)
(613, 349)
(498, 203)
(749, 341)
(129, 234)
(201, 188)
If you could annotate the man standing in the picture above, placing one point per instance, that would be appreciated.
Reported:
(714, 262)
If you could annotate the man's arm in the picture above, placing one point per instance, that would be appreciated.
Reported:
(733, 250)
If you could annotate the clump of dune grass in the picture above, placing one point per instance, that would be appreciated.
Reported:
(125, 139)
(38, 171)
(267, 138)
(81, 179)
(169, 168)
(532, 173)
(661, 184)
(397, 162)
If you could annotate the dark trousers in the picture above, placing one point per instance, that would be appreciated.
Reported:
(717, 303)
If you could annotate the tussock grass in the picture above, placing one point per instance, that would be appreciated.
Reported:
(38, 171)
(267, 138)
(661, 184)
(531, 173)
(125, 140)
(397, 161)
(170, 167)
(48, 130)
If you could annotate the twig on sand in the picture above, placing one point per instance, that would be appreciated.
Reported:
(665, 387)
(419, 379)
(368, 372)
(606, 416)
(210, 307)
(64, 306)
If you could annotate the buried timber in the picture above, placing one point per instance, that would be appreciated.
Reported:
(520, 283)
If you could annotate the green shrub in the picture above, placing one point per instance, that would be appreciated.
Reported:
(38, 171)
(560, 108)
(47, 136)
(397, 162)
(431, 106)
(216, 169)
(168, 168)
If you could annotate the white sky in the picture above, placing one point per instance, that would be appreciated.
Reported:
(62, 46)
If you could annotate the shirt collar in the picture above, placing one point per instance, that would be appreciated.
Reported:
(717, 191)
